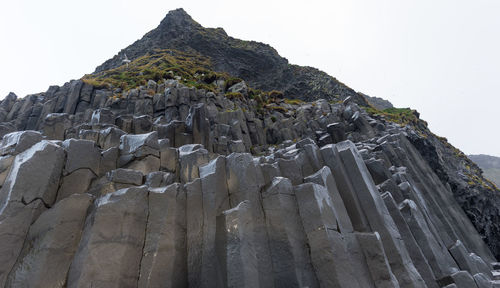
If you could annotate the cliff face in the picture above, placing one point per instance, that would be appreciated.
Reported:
(163, 184)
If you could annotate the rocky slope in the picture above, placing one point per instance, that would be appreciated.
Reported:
(490, 166)
(259, 64)
(195, 179)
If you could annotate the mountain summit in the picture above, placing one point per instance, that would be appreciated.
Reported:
(258, 64)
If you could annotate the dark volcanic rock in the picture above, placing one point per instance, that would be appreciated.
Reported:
(258, 64)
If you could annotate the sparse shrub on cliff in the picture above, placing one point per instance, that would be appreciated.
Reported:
(276, 94)
(234, 95)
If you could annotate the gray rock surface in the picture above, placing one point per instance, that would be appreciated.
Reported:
(376, 259)
(119, 247)
(126, 176)
(287, 240)
(164, 260)
(17, 142)
(50, 244)
(34, 174)
(81, 154)
(167, 185)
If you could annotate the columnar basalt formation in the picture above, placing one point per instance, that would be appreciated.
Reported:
(167, 185)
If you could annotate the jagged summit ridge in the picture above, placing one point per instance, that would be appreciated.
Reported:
(258, 64)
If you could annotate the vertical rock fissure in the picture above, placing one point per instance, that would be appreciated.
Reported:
(144, 242)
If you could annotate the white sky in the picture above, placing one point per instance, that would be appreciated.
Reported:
(441, 57)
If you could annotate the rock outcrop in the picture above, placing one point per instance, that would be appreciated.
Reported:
(166, 185)
(257, 63)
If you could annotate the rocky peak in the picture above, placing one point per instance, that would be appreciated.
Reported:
(177, 22)
(177, 17)
(258, 64)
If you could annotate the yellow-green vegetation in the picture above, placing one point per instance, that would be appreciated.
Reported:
(276, 94)
(492, 174)
(234, 95)
(192, 69)
(231, 81)
(294, 101)
(485, 183)
(277, 108)
(340, 101)
(403, 116)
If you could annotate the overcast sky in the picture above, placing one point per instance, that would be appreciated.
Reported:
(441, 57)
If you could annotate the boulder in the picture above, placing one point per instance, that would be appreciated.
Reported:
(55, 125)
(140, 145)
(110, 137)
(81, 154)
(124, 122)
(77, 182)
(34, 175)
(142, 124)
(145, 165)
(125, 176)
(17, 142)
(240, 87)
(159, 179)
(337, 132)
(102, 116)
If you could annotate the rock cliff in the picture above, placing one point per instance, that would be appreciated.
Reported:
(174, 170)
